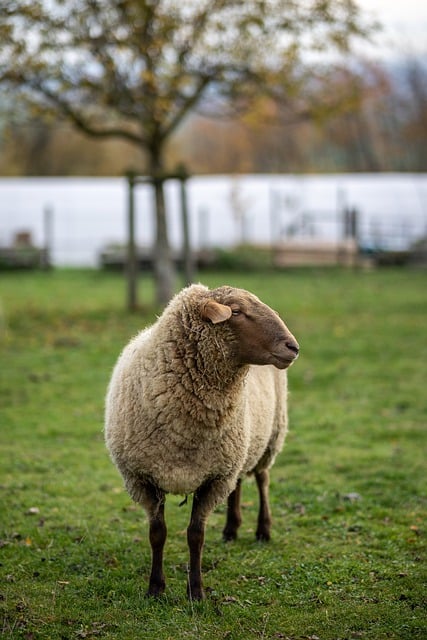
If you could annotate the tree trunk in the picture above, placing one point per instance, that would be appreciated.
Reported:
(164, 270)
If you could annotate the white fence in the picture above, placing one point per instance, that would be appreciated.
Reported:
(89, 213)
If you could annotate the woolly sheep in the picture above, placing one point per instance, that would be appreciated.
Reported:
(187, 412)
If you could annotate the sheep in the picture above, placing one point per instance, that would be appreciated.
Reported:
(187, 412)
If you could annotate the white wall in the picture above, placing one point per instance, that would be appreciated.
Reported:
(88, 213)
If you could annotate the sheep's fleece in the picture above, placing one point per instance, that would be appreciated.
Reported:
(179, 412)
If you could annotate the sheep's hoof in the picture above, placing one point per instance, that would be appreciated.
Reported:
(155, 590)
(195, 593)
(262, 535)
(229, 535)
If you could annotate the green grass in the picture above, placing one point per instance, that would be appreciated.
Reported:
(74, 554)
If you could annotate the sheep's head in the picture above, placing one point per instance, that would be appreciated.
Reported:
(260, 336)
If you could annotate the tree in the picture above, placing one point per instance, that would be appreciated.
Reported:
(136, 68)
(415, 74)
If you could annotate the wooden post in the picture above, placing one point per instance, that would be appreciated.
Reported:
(48, 237)
(188, 262)
(354, 224)
(132, 258)
(275, 231)
(131, 262)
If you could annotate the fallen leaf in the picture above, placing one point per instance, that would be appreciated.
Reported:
(352, 496)
(229, 599)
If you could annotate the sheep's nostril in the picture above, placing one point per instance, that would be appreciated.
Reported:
(292, 346)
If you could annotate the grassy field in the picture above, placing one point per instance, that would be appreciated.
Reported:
(348, 491)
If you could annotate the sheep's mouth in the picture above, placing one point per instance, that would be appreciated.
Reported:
(283, 361)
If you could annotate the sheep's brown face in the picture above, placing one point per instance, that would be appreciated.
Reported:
(261, 337)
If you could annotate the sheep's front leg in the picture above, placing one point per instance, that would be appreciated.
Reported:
(234, 518)
(205, 499)
(154, 503)
(152, 499)
(158, 534)
(264, 514)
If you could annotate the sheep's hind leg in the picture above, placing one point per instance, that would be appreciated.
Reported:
(264, 515)
(234, 518)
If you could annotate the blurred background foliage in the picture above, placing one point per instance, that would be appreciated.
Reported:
(219, 86)
(387, 132)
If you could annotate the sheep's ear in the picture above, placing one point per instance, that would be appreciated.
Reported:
(215, 312)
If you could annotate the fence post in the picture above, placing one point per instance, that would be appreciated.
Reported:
(131, 262)
(48, 237)
(188, 262)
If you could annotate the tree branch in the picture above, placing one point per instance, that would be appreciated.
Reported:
(187, 104)
(82, 123)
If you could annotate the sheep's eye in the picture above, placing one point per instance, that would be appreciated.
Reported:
(235, 312)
